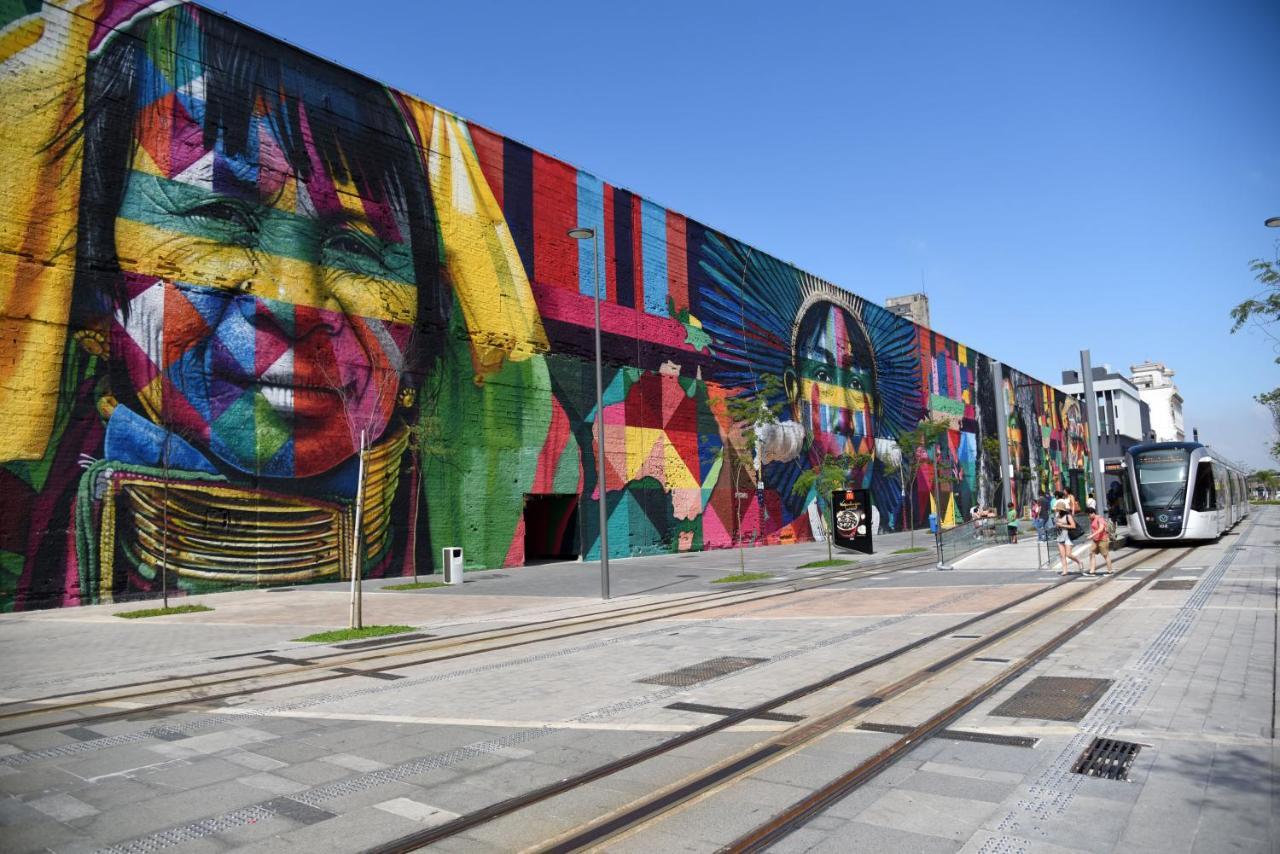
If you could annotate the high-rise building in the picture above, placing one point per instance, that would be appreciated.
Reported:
(914, 307)
(1155, 385)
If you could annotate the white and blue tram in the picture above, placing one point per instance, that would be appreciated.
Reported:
(1180, 491)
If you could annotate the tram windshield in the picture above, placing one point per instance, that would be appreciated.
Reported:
(1162, 478)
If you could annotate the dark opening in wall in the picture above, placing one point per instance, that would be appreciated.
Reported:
(550, 528)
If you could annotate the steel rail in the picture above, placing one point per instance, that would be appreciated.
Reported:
(610, 620)
(809, 807)
(428, 836)
(716, 776)
(444, 642)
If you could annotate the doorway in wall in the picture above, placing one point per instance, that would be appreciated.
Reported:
(550, 528)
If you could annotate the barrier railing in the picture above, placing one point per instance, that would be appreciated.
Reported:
(955, 543)
(1049, 537)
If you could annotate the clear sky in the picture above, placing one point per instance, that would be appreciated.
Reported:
(1058, 175)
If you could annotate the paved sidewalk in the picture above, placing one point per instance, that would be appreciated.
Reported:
(343, 764)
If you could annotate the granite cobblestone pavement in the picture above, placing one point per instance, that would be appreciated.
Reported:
(345, 764)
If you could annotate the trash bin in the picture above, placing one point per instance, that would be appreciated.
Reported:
(451, 560)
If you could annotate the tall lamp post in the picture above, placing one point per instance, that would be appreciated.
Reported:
(581, 233)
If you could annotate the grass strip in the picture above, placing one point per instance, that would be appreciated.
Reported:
(161, 612)
(816, 564)
(909, 550)
(414, 585)
(354, 634)
(741, 576)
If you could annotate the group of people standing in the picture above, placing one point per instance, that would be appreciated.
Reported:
(1054, 517)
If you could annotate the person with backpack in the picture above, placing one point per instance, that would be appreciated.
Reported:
(1100, 533)
(1065, 523)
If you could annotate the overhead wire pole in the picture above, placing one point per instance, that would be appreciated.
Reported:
(581, 233)
(1091, 411)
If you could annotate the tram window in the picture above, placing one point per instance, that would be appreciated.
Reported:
(1205, 496)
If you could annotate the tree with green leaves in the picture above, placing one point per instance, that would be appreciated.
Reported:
(826, 476)
(750, 410)
(991, 469)
(920, 446)
(1262, 311)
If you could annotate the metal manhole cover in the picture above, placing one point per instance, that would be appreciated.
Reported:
(1174, 584)
(701, 672)
(1054, 698)
(1107, 758)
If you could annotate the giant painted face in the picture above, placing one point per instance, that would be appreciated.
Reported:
(269, 286)
(831, 390)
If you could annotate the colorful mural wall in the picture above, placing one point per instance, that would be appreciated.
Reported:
(227, 267)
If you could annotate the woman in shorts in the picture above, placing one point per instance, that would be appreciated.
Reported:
(1065, 523)
(1100, 541)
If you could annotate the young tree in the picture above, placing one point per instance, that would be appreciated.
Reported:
(362, 417)
(750, 410)
(825, 477)
(991, 472)
(920, 446)
(1262, 311)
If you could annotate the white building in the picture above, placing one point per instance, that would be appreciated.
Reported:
(1123, 417)
(1155, 385)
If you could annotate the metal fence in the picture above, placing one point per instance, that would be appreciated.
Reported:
(955, 543)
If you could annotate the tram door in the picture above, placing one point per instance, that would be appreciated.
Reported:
(1119, 495)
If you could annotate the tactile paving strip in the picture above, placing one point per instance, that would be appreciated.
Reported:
(1052, 792)
(1054, 698)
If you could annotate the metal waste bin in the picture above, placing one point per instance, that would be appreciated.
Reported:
(451, 560)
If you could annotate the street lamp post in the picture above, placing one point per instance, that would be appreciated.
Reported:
(581, 233)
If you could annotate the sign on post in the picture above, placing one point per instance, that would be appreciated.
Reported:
(852, 511)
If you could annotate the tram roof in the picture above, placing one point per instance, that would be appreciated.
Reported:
(1165, 446)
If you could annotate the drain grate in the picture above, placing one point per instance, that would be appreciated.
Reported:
(1107, 758)
(1176, 584)
(1054, 698)
(701, 672)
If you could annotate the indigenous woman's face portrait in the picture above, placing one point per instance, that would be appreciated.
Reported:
(266, 245)
(831, 391)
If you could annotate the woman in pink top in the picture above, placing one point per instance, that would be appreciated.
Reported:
(1100, 538)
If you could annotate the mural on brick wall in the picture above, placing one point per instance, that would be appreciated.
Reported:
(1048, 438)
(228, 266)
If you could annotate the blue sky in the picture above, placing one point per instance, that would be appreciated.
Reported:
(1059, 176)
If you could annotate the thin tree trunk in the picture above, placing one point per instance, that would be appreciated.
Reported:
(357, 616)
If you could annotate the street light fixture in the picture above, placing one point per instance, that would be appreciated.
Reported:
(581, 233)
(1272, 222)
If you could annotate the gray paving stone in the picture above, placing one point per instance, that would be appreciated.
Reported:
(63, 807)
(957, 787)
(932, 815)
(861, 838)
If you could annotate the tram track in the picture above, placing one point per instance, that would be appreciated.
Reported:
(668, 798)
(650, 811)
(428, 651)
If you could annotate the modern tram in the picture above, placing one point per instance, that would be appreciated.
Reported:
(1180, 491)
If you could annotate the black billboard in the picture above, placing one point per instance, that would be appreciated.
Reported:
(852, 511)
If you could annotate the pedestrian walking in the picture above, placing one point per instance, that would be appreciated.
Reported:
(1091, 503)
(1011, 521)
(1065, 522)
(1073, 503)
(1100, 533)
(1046, 522)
